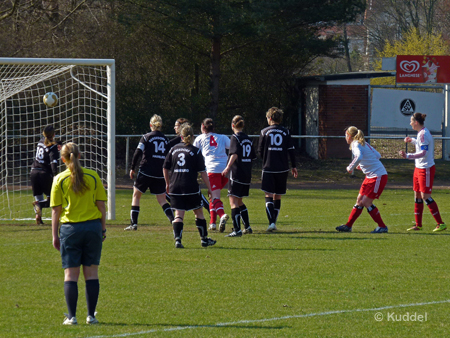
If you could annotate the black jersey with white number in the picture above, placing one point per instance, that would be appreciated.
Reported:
(153, 147)
(46, 158)
(184, 163)
(241, 169)
(275, 147)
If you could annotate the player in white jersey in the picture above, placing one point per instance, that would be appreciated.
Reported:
(367, 159)
(214, 150)
(423, 173)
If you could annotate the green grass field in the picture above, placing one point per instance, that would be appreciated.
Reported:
(306, 280)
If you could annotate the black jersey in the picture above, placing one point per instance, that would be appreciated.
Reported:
(241, 169)
(153, 147)
(46, 158)
(275, 146)
(174, 141)
(184, 163)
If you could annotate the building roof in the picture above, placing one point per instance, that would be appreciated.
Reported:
(343, 78)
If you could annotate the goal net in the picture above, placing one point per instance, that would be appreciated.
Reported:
(85, 114)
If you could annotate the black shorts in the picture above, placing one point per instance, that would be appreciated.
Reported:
(81, 243)
(186, 202)
(238, 190)
(41, 182)
(157, 186)
(274, 183)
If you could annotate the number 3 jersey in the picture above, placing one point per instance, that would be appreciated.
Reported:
(46, 158)
(275, 147)
(184, 163)
(153, 147)
(241, 169)
(213, 147)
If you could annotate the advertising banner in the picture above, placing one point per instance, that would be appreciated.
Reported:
(423, 69)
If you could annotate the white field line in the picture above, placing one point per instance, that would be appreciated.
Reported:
(315, 314)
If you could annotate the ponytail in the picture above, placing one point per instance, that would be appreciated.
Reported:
(49, 133)
(420, 118)
(357, 135)
(187, 133)
(70, 153)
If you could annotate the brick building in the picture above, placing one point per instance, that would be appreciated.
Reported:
(330, 103)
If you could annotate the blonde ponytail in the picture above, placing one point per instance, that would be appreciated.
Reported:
(187, 133)
(49, 133)
(70, 153)
(357, 135)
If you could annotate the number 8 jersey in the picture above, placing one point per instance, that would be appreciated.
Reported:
(275, 144)
(184, 163)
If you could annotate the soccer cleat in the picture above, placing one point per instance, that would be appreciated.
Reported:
(235, 234)
(440, 227)
(71, 321)
(131, 227)
(91, 320)
(178, 245)
(37, 208)
(379, 230)
(344, 228)
(206, 241)
(39, 220)
(247, 231)
(415, 228)
(212, 226)
(272, 227)
(223, 222)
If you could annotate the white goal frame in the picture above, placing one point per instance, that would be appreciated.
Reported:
(24, 84)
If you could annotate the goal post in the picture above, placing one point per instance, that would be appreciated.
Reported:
(85, 114)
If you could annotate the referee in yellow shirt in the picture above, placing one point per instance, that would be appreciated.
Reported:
(78, 203)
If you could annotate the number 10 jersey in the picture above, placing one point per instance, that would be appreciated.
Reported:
(275, 147)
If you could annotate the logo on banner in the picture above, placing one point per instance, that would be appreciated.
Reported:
(407, 107)
(409, 66)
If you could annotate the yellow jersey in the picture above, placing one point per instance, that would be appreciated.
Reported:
(77, 208)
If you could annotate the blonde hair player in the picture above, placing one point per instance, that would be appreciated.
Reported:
(181, 168)
(239, 167)
(366, 159)
(423, 172)
(152, 149)
(78, 203)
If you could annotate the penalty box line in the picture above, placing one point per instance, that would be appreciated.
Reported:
(315, 314)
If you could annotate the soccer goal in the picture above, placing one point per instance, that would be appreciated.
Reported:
(85, 114)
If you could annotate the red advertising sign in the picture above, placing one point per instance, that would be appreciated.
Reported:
(423, 69)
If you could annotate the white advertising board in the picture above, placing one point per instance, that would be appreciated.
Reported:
(393, 108)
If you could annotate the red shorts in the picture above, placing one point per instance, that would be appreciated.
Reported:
(373, 187)
(423, 179)
(217, 181)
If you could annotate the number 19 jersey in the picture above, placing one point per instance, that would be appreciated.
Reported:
(275, 147)
(241, 169)
(184, 163)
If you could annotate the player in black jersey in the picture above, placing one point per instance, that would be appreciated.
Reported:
(175, 141)
(239, 166)
(153, 148)
(275, 147)
(181, 168)
(43, 169)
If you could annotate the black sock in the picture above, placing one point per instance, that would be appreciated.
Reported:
(45, 203)
(92, 291)
(236, 216)
(270, 210)
(168, 211)
(201, 226)
(134, 214)
(244, 216)
(71, 294)
(205, 203)
(168, 199)
(177, 229)
(277, 207)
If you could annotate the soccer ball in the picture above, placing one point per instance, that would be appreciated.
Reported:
(50, 99)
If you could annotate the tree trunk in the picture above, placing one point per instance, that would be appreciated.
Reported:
(347, 50)
(215, 76)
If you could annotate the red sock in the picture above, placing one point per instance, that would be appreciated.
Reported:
(375, 214)
(434, 210)
(218, 206)
(418, 212)
(356, 211)
(212, 213)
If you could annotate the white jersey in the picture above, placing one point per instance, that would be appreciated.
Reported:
(368, 160)
(213, 147)
(424, 156)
